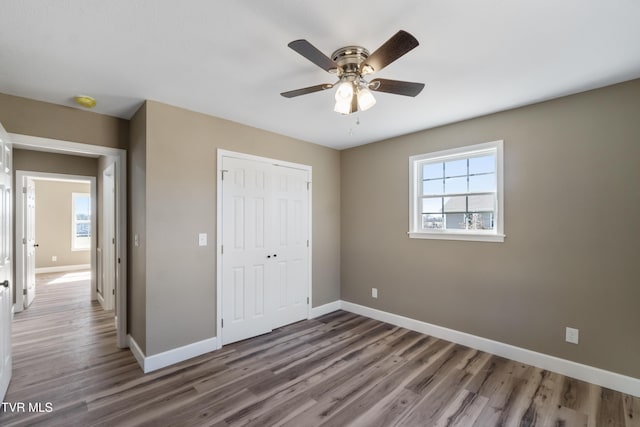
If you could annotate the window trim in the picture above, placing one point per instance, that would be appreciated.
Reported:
(74, 222)
(496, 235)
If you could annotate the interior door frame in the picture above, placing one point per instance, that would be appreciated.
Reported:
(226, 153)
(21, 215)
(108, 250)
(119, 157)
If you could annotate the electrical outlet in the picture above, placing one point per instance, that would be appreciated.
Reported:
(202, 239)
(54, 258)
(374, 292)
(572, 335)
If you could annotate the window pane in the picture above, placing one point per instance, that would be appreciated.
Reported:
(432, 221)
(482, 164)
(432, 204)
(482, 203)
(455, 185)
(82, 207)
(432, 170)
(455, 221)
(455, 168)
(480, 221)
(455, 204)
(482, 183)
(83, 229)
(435, 186)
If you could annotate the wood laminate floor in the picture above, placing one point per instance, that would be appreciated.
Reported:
(338, 370)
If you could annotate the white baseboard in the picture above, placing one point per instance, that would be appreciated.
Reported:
(608, 379)
(63, 268)
(325, 309)
(173, 356)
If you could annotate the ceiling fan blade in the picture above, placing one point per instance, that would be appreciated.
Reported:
(401, 43)
(396, 87)
(306, 90)
(314, 55)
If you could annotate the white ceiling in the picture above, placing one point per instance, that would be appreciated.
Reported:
(230, 58)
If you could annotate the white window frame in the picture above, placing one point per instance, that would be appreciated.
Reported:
(415, 178)
(74, 222)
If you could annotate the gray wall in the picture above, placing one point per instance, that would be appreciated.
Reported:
(181, 155)
(53, 224)
(571, 254)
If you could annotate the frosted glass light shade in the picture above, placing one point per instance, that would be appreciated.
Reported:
(344, 91)
(366, 99)
(343, 106)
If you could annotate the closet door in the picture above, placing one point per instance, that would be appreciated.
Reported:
(290, 216)
(265, 259)
(246, 292)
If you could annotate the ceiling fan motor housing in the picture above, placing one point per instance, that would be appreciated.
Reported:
(348, 59)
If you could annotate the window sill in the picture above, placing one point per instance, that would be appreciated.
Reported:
(478, 237)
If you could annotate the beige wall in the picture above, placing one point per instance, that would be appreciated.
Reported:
(137, 215)
(180, 199)
(571, 253)
(37, 118)
(53, 224)
(39, 161)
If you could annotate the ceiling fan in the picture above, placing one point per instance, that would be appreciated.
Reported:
(352, 64)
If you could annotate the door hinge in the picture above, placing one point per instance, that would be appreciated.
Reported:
(222, 173)
(307, 300)
(222, 323)
(307, 242)
(113, 291)
(308, 184)
(118, 260)
(24, 292)
(222, 249)
(24, 241)
(24, 190)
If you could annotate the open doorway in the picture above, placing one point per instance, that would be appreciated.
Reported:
(55, 229)
(112, 166)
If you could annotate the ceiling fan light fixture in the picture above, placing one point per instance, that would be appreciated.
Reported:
(342, 106)
(366, 99)
(344, 91)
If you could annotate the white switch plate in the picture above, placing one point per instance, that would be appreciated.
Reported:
(374, 292)
(54, 258)
(572, 335)
(202, 239)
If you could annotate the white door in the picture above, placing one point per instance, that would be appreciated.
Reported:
(290, 226)
(6, 299)
(265, 259)
(109, 239)
(29, 242)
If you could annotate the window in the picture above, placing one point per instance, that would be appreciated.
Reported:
(457, 194)
(81, 221)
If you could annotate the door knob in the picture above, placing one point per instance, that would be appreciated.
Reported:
(5, 284)
(268, 256)
(35, 245)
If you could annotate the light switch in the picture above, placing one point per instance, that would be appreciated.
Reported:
(202, 239)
